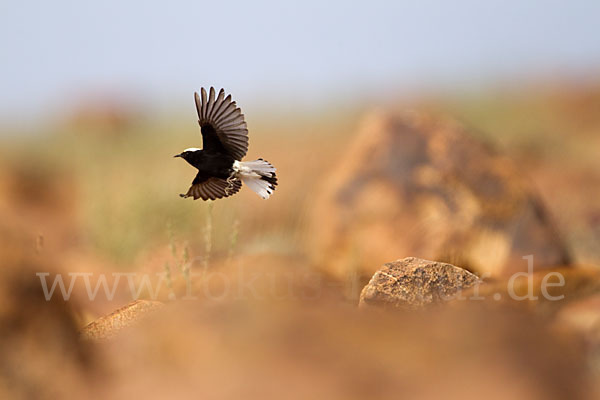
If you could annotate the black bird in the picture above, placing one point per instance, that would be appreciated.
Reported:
(221, 170)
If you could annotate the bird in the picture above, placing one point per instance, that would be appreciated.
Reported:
(221, 170)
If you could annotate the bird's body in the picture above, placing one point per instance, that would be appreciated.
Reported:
(218, 165)
(225, 142)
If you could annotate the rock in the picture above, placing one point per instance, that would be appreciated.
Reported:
(108, 326)
(583, 316)
(41, 354)
(546, 292)
(412, 283)
(411, 184)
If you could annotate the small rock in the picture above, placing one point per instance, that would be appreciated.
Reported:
(413, 283)
(109, 325)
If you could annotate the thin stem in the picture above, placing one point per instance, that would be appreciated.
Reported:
(235, 231)
(169, 280)
(208, 236)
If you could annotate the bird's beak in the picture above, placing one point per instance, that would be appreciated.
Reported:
(178, 155)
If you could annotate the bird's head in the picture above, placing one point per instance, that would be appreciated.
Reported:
(187, 154)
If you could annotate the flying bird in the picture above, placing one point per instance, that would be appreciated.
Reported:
(221, 170)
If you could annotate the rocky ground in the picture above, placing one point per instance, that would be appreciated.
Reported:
(403, 272)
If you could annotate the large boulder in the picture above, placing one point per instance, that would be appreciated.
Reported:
(415, 185)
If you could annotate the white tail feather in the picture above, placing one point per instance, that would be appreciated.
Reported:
(258, 175)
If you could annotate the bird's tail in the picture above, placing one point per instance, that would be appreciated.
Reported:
(258, 175)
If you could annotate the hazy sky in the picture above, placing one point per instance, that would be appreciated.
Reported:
(54, 51)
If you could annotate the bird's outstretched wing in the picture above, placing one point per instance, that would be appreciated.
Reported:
(222, 124)
(211, 188)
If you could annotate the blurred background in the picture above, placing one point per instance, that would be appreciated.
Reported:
(465, 131)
